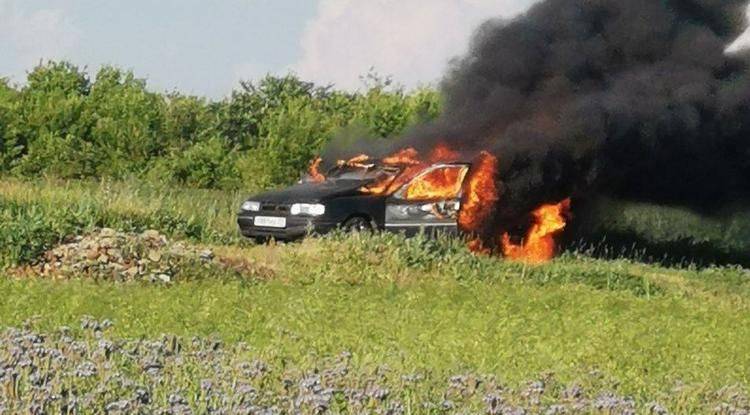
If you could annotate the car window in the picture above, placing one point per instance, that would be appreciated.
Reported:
(436, 183)
(361, 173)
(357, 173)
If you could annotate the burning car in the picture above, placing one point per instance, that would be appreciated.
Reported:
(407, 193)
(359, 195)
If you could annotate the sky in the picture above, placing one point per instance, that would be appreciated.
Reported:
(205, 47)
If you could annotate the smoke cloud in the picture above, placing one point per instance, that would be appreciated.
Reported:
(634, 99)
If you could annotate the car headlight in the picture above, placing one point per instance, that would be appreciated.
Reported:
(251, 206)
(307, 209)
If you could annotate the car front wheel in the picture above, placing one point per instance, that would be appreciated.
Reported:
(357, 224)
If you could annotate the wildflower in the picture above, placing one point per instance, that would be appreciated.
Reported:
(85, 370)
(556, 410)
(655, 409)
(573, 392)
(206, 385)
(378, 393)
(118, 406)
(142, 396)
(412, 378)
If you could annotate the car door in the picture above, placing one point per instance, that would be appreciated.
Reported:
(429, 202)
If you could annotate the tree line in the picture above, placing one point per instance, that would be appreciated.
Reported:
(64, 123)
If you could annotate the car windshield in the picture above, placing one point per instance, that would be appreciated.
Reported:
(361, 173)
(358, 173)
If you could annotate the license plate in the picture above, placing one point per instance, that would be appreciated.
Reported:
(270, 222)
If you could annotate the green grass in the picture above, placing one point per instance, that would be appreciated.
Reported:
(195, 213)
(34, 216)
(676, 335)
(665, 234)
(514, 330)
(37, 214)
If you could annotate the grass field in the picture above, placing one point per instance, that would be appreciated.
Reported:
(421, 319)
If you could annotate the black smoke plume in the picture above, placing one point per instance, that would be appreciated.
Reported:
(629, 98)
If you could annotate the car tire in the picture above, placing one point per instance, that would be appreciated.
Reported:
(357, 224)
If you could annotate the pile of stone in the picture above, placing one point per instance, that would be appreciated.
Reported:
(111, 255)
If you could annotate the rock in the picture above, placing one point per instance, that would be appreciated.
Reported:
(151, 234)
(154, 255)
(178, 249)
(107, 254)
(131, 272)
(154, 238)
(91, 254)
(107, 243)
(164, 277)
(115, 253)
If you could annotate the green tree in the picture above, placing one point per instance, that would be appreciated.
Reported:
(125, 122)
(49, 132)
(206, 164)
(9, 150)
(293, 135)
(62, 124)
(244, 114)
(189, 119)
(387, 110)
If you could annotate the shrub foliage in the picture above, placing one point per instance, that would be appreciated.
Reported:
(64, 123)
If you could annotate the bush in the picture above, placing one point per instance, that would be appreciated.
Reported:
(35, 216)
(243, 116)
(206, 164)
(124, 123)
(8, 147)
(61, 124)
(387, 112)
(48, 127)
(294, 133)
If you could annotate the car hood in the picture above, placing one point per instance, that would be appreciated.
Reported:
(311, 192)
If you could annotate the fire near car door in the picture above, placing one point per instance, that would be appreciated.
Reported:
(429, 202)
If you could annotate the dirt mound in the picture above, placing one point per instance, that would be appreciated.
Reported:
(112, 255)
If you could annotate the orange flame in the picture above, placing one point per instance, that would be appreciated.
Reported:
(407, 157)
(539, 245)
(480, 194)
(432, 186)
(437, 184)
(356, 161)
(443, 153)
(314, 171)
(477, 246)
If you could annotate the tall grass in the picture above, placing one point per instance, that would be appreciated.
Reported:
(671, 235)
(35, 216)
(420, 305)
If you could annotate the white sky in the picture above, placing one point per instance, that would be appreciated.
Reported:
(412, 40)
(205, 47)
(743, 41)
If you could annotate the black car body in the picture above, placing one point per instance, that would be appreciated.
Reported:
(343, 201)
